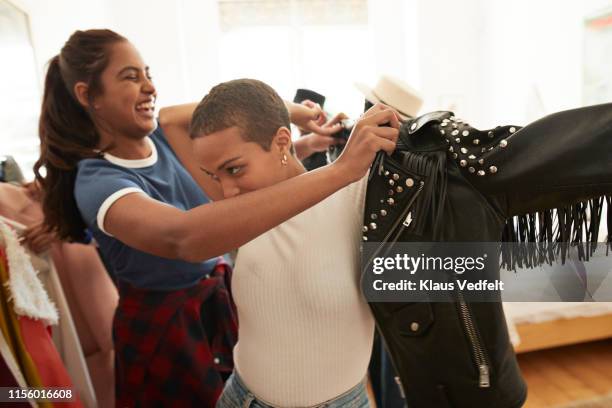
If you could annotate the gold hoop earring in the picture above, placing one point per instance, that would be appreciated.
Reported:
(284, 160)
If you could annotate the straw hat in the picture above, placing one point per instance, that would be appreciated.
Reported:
(395, 93)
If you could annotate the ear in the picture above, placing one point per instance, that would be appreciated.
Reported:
(282, 139)
(81, 92)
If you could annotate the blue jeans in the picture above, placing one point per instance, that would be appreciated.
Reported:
(236, 395)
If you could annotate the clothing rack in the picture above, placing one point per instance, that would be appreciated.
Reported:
(5, 351)
(12, 365)
(80, 375)
(18, 226)
(13, 224)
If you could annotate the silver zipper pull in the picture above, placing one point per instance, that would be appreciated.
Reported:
(399, 385)
(408, 220)
(484, 376)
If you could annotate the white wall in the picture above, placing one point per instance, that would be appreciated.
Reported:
(52, 22)
(50, 25)
(156, 28)
(182, 57)
(491, 61)
(502, 61)
(153, 28)
(202, 65)
(449, 57)
(394, 45)
(535, 51)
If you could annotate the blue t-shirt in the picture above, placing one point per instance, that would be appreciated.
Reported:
(101, 182)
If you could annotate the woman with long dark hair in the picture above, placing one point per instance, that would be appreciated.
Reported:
(109, 168)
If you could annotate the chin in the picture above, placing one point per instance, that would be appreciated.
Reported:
(147, 126)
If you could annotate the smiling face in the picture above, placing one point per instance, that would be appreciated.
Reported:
(241, 166)
(126, 102)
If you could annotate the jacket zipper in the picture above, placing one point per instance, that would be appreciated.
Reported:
(406, 216)
(484, 374)
(480, 356)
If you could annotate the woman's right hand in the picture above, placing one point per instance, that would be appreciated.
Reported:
(368, 138)
(38, 238)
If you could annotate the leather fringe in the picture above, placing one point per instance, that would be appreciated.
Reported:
(528, 240)
(532, 240)
(429, 207)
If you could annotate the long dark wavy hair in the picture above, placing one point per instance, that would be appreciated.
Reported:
(67, 132)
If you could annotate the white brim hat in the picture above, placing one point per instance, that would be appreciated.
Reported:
(394, 93)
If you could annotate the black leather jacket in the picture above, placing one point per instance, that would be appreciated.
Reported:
(463, 184)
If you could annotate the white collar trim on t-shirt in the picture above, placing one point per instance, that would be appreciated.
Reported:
(138, 163)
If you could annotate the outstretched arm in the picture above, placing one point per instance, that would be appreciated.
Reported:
(216, 228)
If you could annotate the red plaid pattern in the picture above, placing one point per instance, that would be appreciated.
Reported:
(174, 348)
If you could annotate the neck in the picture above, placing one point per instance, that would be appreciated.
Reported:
(295, 167)
(125, 147)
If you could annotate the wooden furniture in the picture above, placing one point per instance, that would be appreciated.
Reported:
(563, 332)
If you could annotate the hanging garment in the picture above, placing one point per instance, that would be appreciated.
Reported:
(10, 373)
(90, 299)
(10, 172)
(87, 305)
(66, 340)
(26, 314)
(64, 336)
(461, 184)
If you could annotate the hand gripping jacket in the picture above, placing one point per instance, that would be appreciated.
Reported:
(447, 181)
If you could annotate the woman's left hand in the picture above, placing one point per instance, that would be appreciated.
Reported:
(322, 116)
(308, 117)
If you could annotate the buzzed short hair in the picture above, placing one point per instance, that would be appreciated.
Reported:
(251, 105)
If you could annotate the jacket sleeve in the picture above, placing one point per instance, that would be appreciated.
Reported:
(554, 162)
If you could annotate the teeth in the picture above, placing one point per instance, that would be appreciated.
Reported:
(145, 105)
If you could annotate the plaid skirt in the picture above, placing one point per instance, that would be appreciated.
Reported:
(174, 348)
